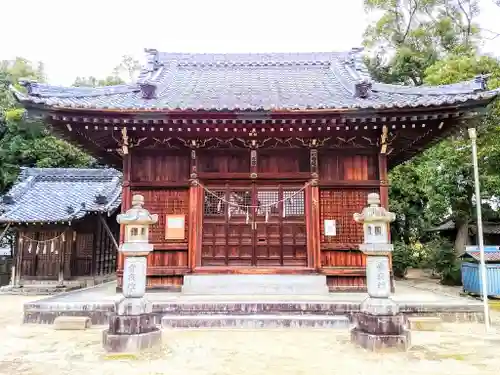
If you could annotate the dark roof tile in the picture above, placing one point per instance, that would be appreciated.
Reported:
(265, 81)
(61, 194)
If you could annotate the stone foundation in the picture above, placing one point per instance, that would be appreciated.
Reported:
(381, 342)
(131, 333)
(114, 343)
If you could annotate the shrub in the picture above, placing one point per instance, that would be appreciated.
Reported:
(402, 259)
(445, 262)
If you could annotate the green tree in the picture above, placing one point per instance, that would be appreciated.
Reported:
(24, 142)
(434, 42)
(128, 66)
(411, 35)
(94, 82)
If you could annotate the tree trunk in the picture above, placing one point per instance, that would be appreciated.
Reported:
(462, 238)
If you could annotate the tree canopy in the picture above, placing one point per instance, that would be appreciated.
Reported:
(436, 42)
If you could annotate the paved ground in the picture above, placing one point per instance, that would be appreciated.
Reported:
(405, 292)
(38, 349)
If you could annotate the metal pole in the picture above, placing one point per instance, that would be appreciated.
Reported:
(482, 266)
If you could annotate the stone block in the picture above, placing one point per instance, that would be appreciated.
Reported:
(130, 343)
(72, 323)
(381, 343)
(255, 284)
(256, 321)
(134, 306)
(380, 324)
(424, 323)
(379, 306)
(131, 324)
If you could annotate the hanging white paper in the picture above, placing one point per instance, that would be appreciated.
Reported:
(330, 227)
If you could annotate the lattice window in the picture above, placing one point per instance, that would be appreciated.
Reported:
(214, 203)
(266, 198)
(240, 202)
(340, 205)
(163, 203)
(293, 203)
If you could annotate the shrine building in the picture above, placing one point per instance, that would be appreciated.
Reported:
(64, 220)
(255, 163)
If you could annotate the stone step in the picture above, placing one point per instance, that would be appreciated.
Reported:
(256, 321)
(424, 323)
(256, 307)
(255, 284)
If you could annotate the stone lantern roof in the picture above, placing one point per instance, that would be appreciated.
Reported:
(137, 214)
(374, 212)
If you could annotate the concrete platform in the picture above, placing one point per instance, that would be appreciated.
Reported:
(98, 302)
(255, 321)
(255, 285)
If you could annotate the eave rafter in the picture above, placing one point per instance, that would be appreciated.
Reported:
(393, 134)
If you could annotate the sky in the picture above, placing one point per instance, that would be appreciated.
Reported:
(88, 37)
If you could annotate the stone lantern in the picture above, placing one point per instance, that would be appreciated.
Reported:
(132, 326)
(379, 324)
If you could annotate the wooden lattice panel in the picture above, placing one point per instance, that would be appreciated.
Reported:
(340, 205)
(165, 202)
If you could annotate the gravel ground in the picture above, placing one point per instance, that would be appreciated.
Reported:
(36, 349)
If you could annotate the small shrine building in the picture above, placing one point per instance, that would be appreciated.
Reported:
(255, 163)
(65, 225)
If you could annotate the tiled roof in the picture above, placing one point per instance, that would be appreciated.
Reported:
(491, 253)
(265, 82)
(488, 227)
(61, 194)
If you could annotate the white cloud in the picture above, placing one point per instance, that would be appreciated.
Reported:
(88, 37)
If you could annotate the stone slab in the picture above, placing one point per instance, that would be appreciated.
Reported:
(255, 284)
(99, 302)
(255, 321)
(381, 343)
(130, 343)
(131, 324)
(377, 324)
(424, 323)
(72, 323)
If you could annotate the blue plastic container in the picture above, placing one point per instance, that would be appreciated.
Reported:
(471, 277)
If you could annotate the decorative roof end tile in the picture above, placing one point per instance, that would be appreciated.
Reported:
(481, 81)
(30, 84)
(362, 89)
(101, 199)
(148, 90)
(8, 199)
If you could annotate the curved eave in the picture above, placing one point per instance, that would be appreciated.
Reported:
(466, 104)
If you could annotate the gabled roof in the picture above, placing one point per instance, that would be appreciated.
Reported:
(489, 227)
(61, 195)
(255, 82)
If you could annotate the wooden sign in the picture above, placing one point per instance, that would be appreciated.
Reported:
(174, 227)
(330, 227)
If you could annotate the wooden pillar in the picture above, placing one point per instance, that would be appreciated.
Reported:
(73, 254)
(126, 201)
(19, 258)
(62, 253)
(384, 200)
(195, 208)
(95, 241)
(313, 215)
(384, 181)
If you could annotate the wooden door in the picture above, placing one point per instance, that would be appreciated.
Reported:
(40, 257)
(254, 226)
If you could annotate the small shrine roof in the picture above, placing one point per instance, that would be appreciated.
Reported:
(254, 82)
(42, 195)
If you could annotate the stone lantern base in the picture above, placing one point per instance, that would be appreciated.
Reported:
(132, 328)
(380, 326)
